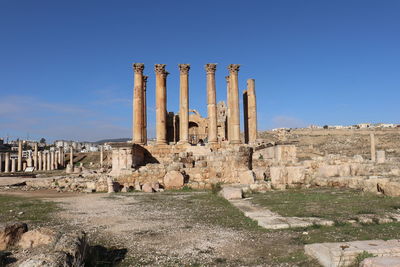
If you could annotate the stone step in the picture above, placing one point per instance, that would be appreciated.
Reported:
(342, 254)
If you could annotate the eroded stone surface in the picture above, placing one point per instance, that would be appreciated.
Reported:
(344, 253)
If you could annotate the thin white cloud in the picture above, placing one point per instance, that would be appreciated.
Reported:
(22, 115)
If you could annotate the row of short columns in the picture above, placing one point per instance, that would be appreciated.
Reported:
(40, 160)
(140, 114)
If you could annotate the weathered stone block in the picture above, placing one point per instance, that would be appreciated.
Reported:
(246, 177)
(173, 180)
(231, 193)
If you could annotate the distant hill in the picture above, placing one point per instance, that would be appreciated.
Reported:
(112, 140)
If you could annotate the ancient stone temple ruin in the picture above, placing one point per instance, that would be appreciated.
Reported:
(199, 150)
(222, 123)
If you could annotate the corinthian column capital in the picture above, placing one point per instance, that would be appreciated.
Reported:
(184, 68)
(210, 68)
(233, 68)
(138, 67)
(159, 68)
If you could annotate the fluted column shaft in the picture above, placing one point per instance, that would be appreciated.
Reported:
(40, 161)
(52, 160)
(48, 160)
(161, 107)
(13, 165)
(7, 162)
(184, 104)
(44, 166)
(211, 103)
(252, 110)
(234, 99)
(35, 157)
(138, 103)
(71, 157)
(145, 109)
(19, 165)
(228, 104)
(246, 116)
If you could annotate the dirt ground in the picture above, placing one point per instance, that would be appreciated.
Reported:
(172, 229)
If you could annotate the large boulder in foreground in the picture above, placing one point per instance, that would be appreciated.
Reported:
(173, 180)
(37, 237)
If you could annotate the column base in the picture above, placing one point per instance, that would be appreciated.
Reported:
(183, 142)
(235, 142)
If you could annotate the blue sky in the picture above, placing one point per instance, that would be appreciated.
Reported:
(65, 66)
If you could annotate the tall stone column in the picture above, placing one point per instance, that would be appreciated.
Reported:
(55, 162)
(228, 104)
(138, 103)
(1, 162)
(59, 156)
(13, 163)
(7, 162)
(252, 110)
(161, 101)
(71, 157)
(51, 160)
(373, 153)
(44, 166)
(40, 161)
(184, 104)
(145, 109)
(62, 157)
(48, 164)
(234, 100)
(35, 156)
(211, 103)
(19, 166)
(246, 116)
(101, 156)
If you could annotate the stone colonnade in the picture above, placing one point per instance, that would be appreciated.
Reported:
(40, 160)
(233, 116)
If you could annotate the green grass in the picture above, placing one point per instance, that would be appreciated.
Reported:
(338, 205)
(209, 208)
(33, 210)
(333, 204)
(347, 233)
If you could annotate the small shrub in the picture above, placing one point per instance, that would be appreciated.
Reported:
(215, 188)
(186, 189)
(260, 157)
(362, 256)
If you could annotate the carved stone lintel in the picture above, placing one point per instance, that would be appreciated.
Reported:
(184, 68)
(159, 68)
(210, 68)
(138, 67)
(233, 68)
